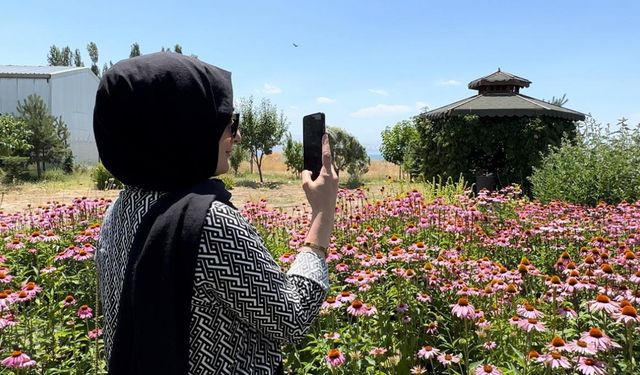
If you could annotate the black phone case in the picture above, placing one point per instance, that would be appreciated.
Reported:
(313, 127)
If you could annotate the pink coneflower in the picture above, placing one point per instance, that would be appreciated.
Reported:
(554, 360)
(590, 366)
(448, 359)
(431, 328)
(463, 309)
(85, 312)
(82, 254)
(331, 303)
(287, 258)
(487, 370)
(489, 345)
(349, 249)
(22, 296)
(5, 300)
(581, 347)
(423, 297)
(334, 358)
(402, 308)
(95, 333)
(418, 370)
(598, 339)
(567, 312)
(357, 308)
(50, 236)
(47, 270)
(603, 302)
(627, 315)
(333, 256)
(528, 311)
(558, 344)
(428, 352)
(532, 324)
(5, 277)
(15, 244)
(18, 359)
(346, 296)
(31, 288)
(342, 267)
(331, 336)
(377, 352)
(69, 301)
(394, 240)
(8, 320)
(35, 237)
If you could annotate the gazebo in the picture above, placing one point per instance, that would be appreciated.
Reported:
(499, 95)
(499, 101)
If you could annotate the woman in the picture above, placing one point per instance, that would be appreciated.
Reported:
(187, 285)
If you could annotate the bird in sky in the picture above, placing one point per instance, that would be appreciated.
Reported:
(295, 45)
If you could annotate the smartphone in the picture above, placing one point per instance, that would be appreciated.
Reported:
(313, 128)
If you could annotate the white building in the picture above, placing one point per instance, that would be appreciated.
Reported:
(68, 92)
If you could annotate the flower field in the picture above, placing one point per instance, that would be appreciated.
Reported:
(492, 284)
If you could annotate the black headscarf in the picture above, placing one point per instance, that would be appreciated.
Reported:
(158, 119)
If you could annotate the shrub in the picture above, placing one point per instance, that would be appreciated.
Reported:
(55, 174)
(15, 168)
(600, 165)
(228, 180)
(103, 179)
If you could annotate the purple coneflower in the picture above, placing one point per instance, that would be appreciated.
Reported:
(431, 328)
(463, 309)
(418, 370)
(554, 360)
(377, 352)
(287, 258)
(603, 302)
(627, 315)
(85, 312)
(528, 311)
(590, 366)
(331, 303)
(448, 359)
(428, 352)
(18, 359)
(599, 340)
(5, 277)
(532, 324)
(423, 297)
(487, 370)
(346, 296)
(334, 358)
(581, 347)
(95, 333)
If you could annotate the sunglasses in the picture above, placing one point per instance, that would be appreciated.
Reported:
(235, 118)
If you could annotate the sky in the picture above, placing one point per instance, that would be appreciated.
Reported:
(365, 64)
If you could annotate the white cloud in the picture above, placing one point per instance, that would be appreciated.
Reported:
(422, 106)
(380, 110)
(324, 100)
(271, 89)
(450, 82)
(379, 92)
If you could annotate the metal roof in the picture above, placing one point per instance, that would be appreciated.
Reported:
(507, 104)
(499, 78)
(14, 71)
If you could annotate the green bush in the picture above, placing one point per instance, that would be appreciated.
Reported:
(103, 179)
(15, 168)
(55, 174)
(600, 165)
(228, 180)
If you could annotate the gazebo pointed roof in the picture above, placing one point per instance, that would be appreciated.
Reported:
(499, 95)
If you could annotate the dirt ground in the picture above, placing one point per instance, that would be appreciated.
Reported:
(287, 192)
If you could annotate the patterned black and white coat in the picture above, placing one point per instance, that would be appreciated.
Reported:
(243, 307)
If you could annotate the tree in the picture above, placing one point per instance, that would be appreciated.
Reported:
(77, 58)
(238, 155)
(505, 147)
(14, 136)
(347, 153)
(135, 50)
(293, 155)
(397, 142)
(48, 138)
(177, 49)
(92, 48)
(262, 129)
(55, 57)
